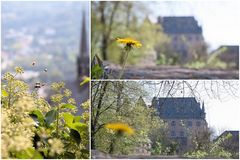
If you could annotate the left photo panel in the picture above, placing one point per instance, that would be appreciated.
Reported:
(45, 80)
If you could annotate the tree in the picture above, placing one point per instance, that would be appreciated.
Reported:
(112, 20)
(109, 105)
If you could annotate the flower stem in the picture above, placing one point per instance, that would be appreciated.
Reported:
(124, 65)
(112, 145)
(57, 119)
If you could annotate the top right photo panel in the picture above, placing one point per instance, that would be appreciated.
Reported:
(165, 39)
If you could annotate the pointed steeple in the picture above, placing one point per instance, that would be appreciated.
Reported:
(203, 107)
(84, 39)
(147, 19)
(83, 57)
(141, 102)
(203, 111)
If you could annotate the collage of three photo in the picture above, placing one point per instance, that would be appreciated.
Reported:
(120, 79)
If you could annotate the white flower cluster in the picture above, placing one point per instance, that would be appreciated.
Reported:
(57, 146)
(17, 127)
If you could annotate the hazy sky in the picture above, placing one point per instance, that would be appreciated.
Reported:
(221, 101)
(220, 19)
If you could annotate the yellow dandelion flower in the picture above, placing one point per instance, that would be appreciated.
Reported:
(129, 42)
(120, 128)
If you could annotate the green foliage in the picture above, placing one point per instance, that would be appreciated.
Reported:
(69, 106)
(32, 129)
(197, 154)
(96, 72)
(126, 21)
(37, 116)
(120, 102)
(210, 149)
(50, 117)
(75, 135)
(167, 60)
(86, 80)
(212, 61)
(161, 144)
(196, 64)
(4, 93)
(29, 153)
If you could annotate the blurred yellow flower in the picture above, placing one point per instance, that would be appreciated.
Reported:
(120, 128)
(129, 42)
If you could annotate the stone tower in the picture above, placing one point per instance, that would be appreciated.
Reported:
(83, 57)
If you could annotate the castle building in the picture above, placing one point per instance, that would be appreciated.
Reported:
(230, 55)
(185, 118)
(186, 36)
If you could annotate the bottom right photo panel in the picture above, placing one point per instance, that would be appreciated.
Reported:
(165, 119)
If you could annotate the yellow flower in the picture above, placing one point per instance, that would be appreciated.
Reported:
(129, 42)
(120, 128)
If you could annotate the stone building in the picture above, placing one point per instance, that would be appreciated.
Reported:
(185, 119)
(187, 41)
(230, 55)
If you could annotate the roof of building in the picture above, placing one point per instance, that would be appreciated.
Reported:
(180, 25)
(179, 108)
(231, 48)
(234, 133)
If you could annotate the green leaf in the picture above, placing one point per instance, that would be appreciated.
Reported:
(81, 127)
(69, 155)
(68, 118)
(37, 116)
(96, 72)
(4, 93)
(76, 136)
(50, 116)
(86, 80)
(29, 153)
(73, 122)
(77, 118)
(70, 106)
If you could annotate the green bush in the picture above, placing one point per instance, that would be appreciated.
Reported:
(33, 129)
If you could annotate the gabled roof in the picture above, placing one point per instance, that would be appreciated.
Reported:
(179, 108)
(234, 133)
(231, 48)
(180, 25)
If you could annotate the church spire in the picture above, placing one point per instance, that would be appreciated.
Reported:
(83, 57)
(203, 111)
(83, 43)
(203, 107)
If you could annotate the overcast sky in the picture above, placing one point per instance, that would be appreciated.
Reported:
(219, 18)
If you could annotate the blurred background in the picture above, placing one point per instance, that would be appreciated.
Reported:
(49, 39)
(176, 33)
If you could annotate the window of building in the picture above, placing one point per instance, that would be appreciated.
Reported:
(198, 123)
(181, 134)
(172, 133)
(189, 123)
(173, 123)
